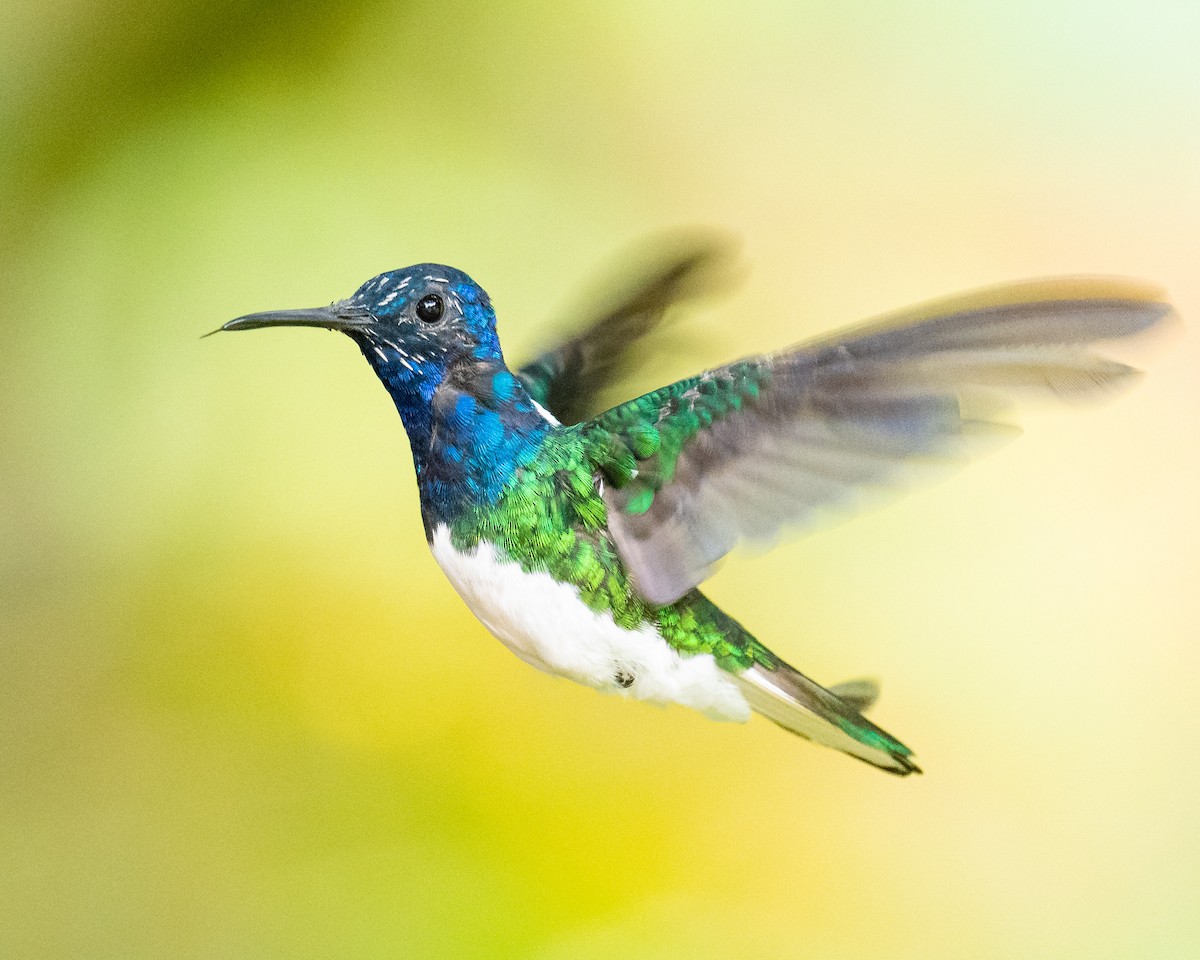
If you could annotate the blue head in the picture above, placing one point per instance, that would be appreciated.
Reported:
(433, 316)
(413, 325)
(429, 332)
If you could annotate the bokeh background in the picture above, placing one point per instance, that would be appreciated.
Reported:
(241, 713)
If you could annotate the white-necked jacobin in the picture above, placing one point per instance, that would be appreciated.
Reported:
(580, 542)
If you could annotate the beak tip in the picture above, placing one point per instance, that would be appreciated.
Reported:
(234, 324)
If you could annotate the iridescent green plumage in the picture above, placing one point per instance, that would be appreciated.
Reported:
(651, 432)
(552, 518)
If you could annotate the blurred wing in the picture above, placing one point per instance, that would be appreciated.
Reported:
(567, 379)
(742, 451)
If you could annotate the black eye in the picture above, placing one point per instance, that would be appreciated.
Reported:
(429, 309)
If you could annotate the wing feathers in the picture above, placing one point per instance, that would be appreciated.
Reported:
(775, 441)
(568, 379)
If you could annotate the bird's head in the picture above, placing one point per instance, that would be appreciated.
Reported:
(412, 324)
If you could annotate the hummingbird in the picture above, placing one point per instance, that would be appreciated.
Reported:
(580, 538)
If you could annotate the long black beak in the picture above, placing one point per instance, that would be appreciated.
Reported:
(337, 316)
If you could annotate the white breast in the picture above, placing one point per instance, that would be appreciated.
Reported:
(546, 624)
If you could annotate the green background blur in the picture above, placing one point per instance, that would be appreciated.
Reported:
(241, 713)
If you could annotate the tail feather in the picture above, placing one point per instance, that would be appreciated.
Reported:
(787, 697)
(861, 694)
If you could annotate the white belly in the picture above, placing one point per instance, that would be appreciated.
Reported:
(545, 623)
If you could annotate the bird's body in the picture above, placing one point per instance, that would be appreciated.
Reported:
(519, 529)
(581, 545)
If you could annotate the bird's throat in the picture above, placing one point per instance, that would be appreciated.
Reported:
(470, 426)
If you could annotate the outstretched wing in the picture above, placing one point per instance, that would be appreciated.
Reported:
(742, 451)
(567, 379)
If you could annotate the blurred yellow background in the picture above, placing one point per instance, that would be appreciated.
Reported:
(241, 713)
